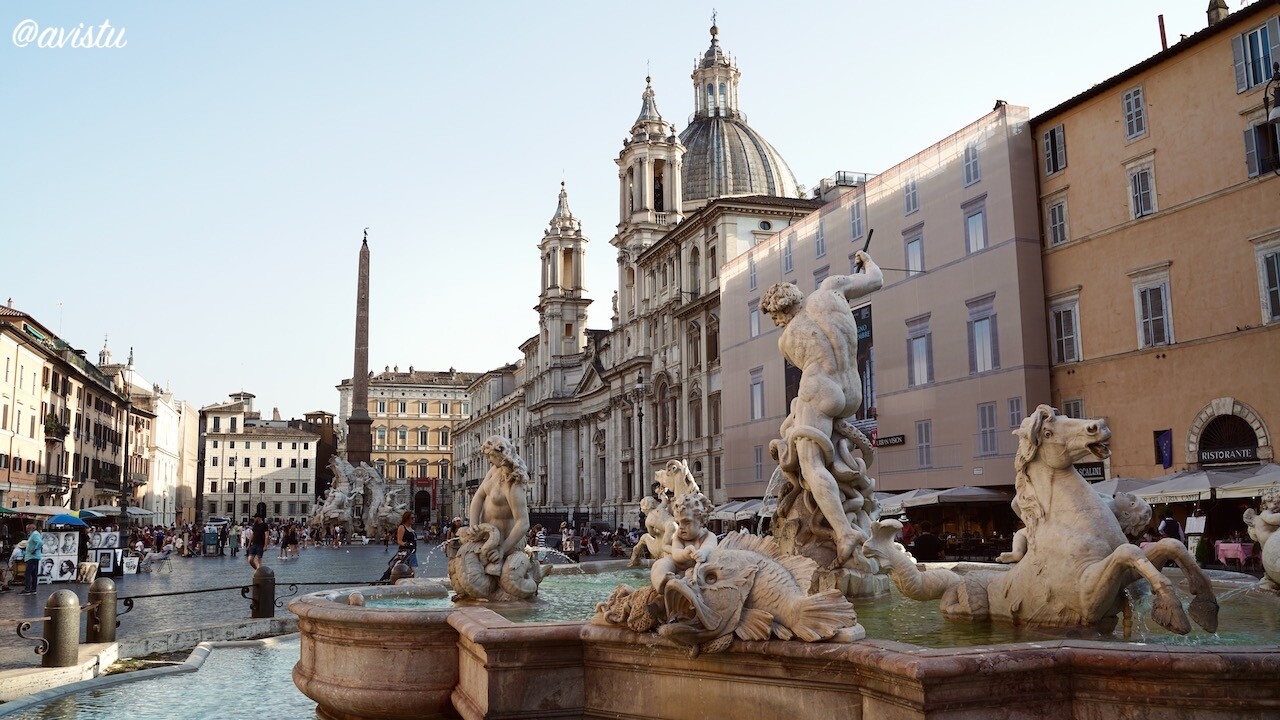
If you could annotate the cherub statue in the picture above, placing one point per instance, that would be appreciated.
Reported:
(659, 523)
(1262, 527)
(691, 543)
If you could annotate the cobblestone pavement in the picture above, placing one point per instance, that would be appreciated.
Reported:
(336, 567)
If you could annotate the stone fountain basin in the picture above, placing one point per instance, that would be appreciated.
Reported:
(360, 662)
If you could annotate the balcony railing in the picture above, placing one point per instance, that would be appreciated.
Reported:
(139, 478)
(107, 485)
(55, 484)
(994, 443)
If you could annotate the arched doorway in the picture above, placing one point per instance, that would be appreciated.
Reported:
(1227, 439)
(422, 506)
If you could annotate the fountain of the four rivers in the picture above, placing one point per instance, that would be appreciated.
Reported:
(749, 626)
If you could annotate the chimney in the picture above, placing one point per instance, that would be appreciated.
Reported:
(1217, 11)
(275, 413)
(10, 303)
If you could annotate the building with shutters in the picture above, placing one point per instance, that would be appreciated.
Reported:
(1160, 236)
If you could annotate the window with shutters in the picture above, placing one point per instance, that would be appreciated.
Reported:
(757, 393)
(820, 275)
(1015, 412)
(915, 253)
(1135, 114)
(1267, 253)
(1142, 192)
(919, 351)
(1254, 52)
(1055, 218)
(984, 341)
(911, 196)
(924, 443)
(759, 463)
(972, 170)
(975, 228)
(751, 272)
(1073, 408)
(753, 318)
(1066, 332)
(787, 264)
(1153, 313)
(855, 219)
(1262, 149)
(819, 241)
(987, 442)
(1054, 147)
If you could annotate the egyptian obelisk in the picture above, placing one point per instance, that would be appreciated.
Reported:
(359, 436)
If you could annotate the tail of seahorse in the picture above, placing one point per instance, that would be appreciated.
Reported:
(917, 585)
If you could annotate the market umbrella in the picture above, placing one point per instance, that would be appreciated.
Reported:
(1121, 484)
(893, 505)
(49, 510)
(7, 511)
(89, 515)
(1186, 486)
(65, 519)
(958, 496)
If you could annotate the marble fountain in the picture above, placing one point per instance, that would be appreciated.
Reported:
(748, 626)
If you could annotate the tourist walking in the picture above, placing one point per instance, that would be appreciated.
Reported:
(259, 536)
(407, 540)
(35, 543)
(233, 538)
(540, 541)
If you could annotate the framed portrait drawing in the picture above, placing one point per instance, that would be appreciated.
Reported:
(106, 561)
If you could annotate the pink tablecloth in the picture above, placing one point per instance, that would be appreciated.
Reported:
(1238, 551)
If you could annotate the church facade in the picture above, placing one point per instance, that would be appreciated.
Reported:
(600, 410)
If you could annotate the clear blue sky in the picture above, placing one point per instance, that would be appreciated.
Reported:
(199, 195)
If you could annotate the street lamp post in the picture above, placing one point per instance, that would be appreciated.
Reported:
(235, 485)
(637, 491)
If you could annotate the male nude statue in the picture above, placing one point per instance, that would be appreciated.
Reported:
(820, 337)
(500, 500)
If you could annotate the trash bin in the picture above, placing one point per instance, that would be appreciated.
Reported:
(210, 543)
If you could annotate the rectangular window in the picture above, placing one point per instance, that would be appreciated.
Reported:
(382, 407)
(1155, 327)
(402, 436)
(423, 437)
(277, 488)
(1073, 408)
(972, 170)
(422, 408)
(444, 436)
(919, 352)
(820, 275)
(753, 318)
(215, 444)
(213, 486)
(295, 446)
(306, 462)
(1141, 192)
(264, 445)
(715, 471)
(230, 508)
(304, 491)
(444, 407)
(975, 230)
(279, 462)
(213, 461)
(232, 445)
(400, 407)
(751, 273)
(1262, 149)
(293, 488)
(233, 424)
(910, 196)
(1270, 277)
(819, 241)
(1056, 217)
(987, 429)
(984, 343)
(759, 458)
(924, 443)
(855, 219)
(280, 446)
(757, 394)
(713, 413)
(915, 255)
(262, 487)
(1015, 412)
(246, 462)
(1135, 114)
(217, 424)
(293, 462)
(787, 263)
(1253, 52)
(1054, 143)
(1066, 329)
(262, 462)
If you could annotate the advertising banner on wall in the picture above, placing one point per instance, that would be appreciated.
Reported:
(866, 363)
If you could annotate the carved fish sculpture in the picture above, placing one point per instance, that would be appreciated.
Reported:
(748, 589)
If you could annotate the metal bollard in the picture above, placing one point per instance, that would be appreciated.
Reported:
(62, 630)
(399, 572)
(101, 626)
(264, 593)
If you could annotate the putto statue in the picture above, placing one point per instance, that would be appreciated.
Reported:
(493, 561)
(1262, 527)
(826, 504)
(1078, 561)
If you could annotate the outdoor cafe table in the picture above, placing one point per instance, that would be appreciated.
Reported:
(1238, 550)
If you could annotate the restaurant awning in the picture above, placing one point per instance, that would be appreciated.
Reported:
(1121, 484)
(1250, 481)
(958, 496)
(1185, 486)
(727, 510)
(893, 505)
(748, 509)
(41, 510)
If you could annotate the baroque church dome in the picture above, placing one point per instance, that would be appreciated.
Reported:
(724, 156)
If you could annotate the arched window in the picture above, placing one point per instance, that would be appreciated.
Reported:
(695, 272)
(664, 420)
(711, 99)
(724, 106)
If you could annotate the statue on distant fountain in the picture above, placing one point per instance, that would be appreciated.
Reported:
(1262, 528)
(493, 561)
(826, 504)
(1078, 561)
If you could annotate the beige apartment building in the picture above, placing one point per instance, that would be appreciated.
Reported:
(1161, 250)
(952, 349)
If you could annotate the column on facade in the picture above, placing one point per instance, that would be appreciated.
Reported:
(622, 196)
(672, 186)
(577, 269)
(648, 183)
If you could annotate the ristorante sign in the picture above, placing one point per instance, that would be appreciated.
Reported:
(1227, 455)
